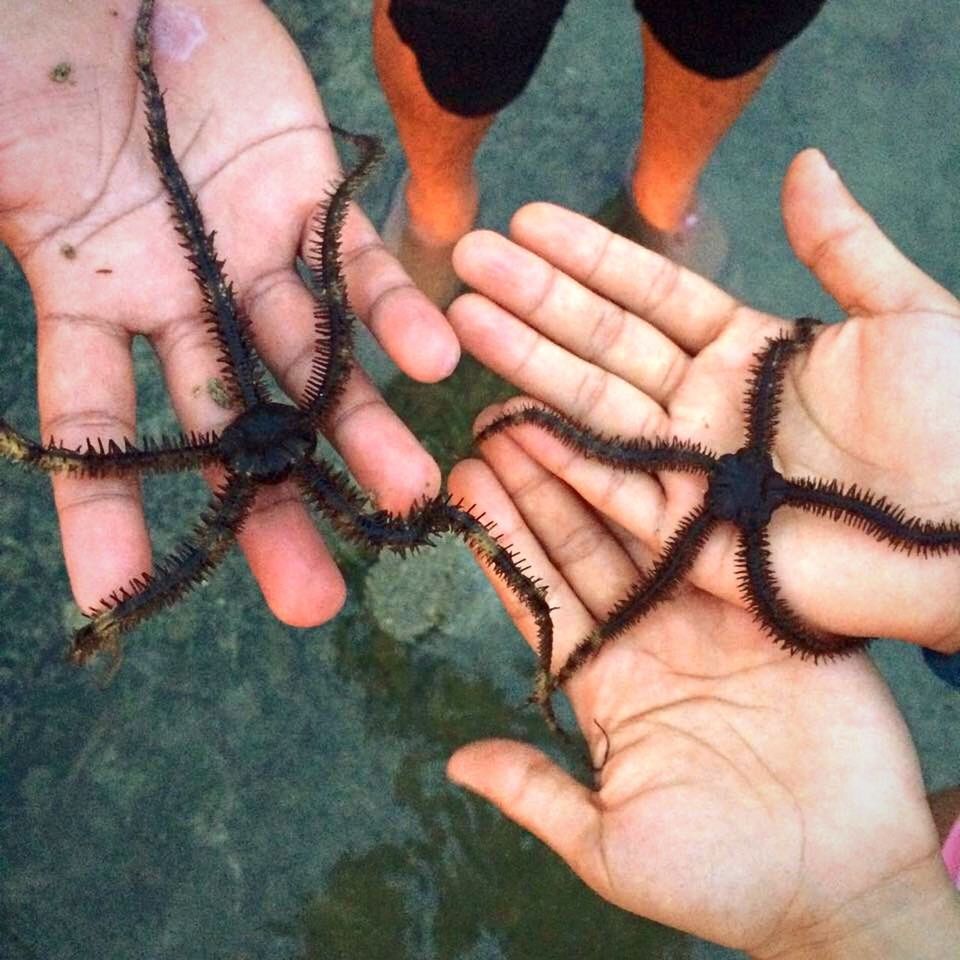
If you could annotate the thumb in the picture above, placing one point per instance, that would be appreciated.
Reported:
(835, 238)
(535, 793)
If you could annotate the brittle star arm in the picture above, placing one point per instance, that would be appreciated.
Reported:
(634, 455)
(860, 509)
(239, 366)
(349, 511)
(111, 459)
(766, 383)
(173, 576)
(333, 316)
(874, 515)
(759, 588)
(656, 586)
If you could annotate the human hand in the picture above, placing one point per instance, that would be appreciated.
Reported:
(82, 210)
(747, 796)
(627, 343)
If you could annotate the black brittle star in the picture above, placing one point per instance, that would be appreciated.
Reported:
(745, 489)
(269, 441)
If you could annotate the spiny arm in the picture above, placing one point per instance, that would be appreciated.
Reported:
(761, 592)
(240, 369)
(631, 456)
(176, 574)
(655, 587)
(766, 383)
(99, 459)
(874, 514)
(333, 316)
(350, 512)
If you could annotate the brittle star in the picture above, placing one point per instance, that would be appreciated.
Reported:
(745, 489)
(269, 441)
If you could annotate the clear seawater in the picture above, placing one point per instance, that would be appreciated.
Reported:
(241, 789)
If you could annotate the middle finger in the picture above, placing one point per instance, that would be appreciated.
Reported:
(381, 452)
(542, 368)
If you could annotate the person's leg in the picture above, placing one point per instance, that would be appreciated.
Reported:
(685, 116)
(439, 145)
(447, 67)
(703, 62)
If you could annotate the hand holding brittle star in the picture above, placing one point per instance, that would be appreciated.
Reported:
(82, 210)
(750, 797)
(755, 799)
(865, 404)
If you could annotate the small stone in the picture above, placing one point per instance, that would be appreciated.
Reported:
(219, 394)
(62, 72)
(440, 588)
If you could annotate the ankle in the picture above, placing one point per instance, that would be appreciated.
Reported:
(667, 211)
(442, 212)
(664, 201)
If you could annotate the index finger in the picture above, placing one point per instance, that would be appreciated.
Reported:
(689, 309)
(406, 324)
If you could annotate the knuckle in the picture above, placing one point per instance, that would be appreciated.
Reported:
(590, 391)
(607, 331)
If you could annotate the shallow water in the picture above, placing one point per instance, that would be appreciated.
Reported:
(244, 789)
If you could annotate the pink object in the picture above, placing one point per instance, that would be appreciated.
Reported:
(951, 853)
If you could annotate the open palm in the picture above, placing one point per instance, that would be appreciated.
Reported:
(82, 210)
(624, 341)
(745, 795)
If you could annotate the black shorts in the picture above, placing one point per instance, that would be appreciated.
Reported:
(476, 56)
